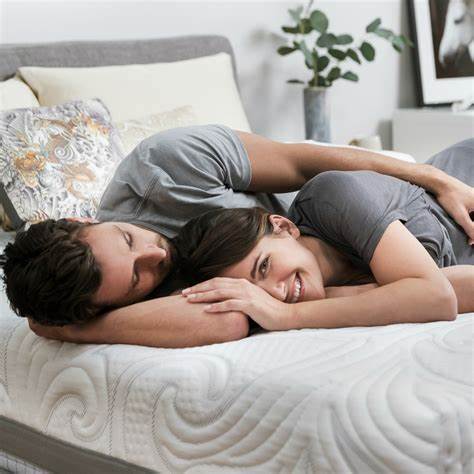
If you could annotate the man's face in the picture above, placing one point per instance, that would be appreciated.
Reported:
(133, 261)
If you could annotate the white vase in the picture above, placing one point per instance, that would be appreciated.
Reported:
(316, 114)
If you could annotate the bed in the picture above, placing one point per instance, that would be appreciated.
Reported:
(397, 398)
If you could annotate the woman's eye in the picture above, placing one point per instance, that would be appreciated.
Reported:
(264, 266)
(129, 240)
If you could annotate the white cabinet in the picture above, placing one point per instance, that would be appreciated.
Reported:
(424, 132)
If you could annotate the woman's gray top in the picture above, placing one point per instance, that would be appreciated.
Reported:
(352, 210)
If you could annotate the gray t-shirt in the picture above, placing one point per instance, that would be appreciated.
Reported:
(178, 174)
(352, 210)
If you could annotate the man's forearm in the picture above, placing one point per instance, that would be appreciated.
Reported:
(314, 159)
(162, 322)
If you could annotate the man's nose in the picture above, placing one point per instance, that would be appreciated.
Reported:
(152, 253)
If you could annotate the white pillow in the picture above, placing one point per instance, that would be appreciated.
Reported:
(392, 154)
(132, 132)
(15, 94)
(134, 91)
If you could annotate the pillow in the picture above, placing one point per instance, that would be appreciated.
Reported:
(56, 162)
(132, 132)
(134, 91)
(15, 94)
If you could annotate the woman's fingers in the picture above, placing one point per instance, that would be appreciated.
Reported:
(211, 295)
(209, 285)
(228, 305)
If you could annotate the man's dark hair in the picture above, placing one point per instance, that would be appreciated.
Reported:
(50, 273)
(211, 242)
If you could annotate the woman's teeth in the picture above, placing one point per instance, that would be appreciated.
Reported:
(297, 291)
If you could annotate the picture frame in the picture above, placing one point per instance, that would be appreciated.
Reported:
(444, 65)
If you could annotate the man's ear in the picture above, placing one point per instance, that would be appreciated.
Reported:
(89, 220)
(281, 224)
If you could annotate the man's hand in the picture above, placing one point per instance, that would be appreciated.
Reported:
(63, 333)
(457, 199)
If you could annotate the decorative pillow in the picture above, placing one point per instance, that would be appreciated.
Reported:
(56, 162)
(134, 91)
(15, 94)
(132, 132)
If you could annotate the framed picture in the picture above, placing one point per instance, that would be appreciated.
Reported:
(444, 42)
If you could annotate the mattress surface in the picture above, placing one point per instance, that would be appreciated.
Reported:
(397, 398)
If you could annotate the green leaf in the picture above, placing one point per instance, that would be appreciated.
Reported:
(371, 27)
(294, 81)
(383, 33)
(353, 55)
(367, 51)
(296, 13)
(323, 62)
(294, 30)
(334, 74)
(284, 50)
(323, 82)
(319, 21)
(308, 57)
(350, 76)
(344, 39)
(337, 53)
(326, 40)
(398, 44)
(305, 27)
(407, 41)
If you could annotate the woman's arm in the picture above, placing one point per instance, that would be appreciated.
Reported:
(161, 322)
(461, 278)
(412, 289)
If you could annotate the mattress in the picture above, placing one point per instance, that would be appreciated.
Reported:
(397, 398)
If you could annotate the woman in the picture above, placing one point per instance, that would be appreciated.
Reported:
(358, 249)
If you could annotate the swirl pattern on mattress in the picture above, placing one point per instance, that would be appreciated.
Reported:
(397, 398)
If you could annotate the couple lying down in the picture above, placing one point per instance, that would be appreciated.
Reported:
(355, 248)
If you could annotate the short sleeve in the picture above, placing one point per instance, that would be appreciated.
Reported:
(350, 210)
(190, 164)
(207, 156)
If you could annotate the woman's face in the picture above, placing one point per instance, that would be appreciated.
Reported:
(282, 266)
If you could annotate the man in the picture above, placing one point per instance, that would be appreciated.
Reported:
(103, 279)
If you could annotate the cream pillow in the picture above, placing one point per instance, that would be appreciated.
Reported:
(134, 91)
(132, 132)
(15, 94)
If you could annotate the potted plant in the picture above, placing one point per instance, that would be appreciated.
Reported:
(329, 56)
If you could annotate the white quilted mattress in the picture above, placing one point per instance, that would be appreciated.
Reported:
(368, 400)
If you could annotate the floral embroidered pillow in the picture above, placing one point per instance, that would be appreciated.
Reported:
(56, 161)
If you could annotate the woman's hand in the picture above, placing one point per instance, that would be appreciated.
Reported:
(232, 294)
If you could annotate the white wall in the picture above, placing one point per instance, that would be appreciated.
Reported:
(274, 108)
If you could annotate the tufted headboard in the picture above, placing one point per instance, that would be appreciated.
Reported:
(108, 53)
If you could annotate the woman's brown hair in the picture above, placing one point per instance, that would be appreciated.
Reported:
(211, 242)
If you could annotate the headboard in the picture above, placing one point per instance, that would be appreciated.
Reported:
(109, 53)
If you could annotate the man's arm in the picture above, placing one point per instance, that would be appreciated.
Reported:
(282, 167)
(180, 324)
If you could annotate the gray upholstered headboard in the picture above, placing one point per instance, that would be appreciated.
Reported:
(108, 53)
